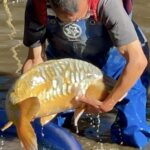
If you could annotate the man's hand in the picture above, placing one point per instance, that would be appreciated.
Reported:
(92, 102)
(34, 58)
(107, 105)
(96, 106)
(103, 107)
(29, 63)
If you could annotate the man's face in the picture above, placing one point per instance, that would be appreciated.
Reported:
(71, 17)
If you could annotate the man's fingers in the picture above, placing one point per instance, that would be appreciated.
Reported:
(96, 104)
(91, 109)
(93, 102)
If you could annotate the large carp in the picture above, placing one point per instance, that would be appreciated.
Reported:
(50, 88)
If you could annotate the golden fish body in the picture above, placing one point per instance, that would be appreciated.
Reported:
(50, 88)
(54, 82)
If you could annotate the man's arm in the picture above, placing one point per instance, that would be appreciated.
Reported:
(136, 63)
(34, 38)
(35, 56)
(124, 37)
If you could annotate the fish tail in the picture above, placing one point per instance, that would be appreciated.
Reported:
(26, 134)
(27, 112)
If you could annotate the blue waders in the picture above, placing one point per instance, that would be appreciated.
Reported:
(130, 126)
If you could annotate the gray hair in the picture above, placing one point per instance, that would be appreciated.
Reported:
(66, 5)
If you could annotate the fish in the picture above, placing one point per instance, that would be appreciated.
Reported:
(50, 88)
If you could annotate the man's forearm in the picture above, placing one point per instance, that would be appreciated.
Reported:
(130, 75)
(136, 63)
(34, 57)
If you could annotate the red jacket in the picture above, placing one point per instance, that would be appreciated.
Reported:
(41, 10)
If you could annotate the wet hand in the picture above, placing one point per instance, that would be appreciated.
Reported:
(102, 107)
(106, 106)
(92, 102)
(96, 106)
(92, 110)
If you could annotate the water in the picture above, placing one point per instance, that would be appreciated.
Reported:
(13, 54)
(88, 134)
(12, 51)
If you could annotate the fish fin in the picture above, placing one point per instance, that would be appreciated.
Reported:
(26, 134)
(44, 120)
(28, 109)
(6, 126)
(77, 114)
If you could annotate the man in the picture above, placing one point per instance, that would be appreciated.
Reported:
(101, 32)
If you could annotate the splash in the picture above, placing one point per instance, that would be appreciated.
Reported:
(2, 142)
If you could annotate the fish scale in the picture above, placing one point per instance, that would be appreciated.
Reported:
(50, 88)
(59, 76)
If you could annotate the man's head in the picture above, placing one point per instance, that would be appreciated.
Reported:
(70, 10)
(70, 6)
